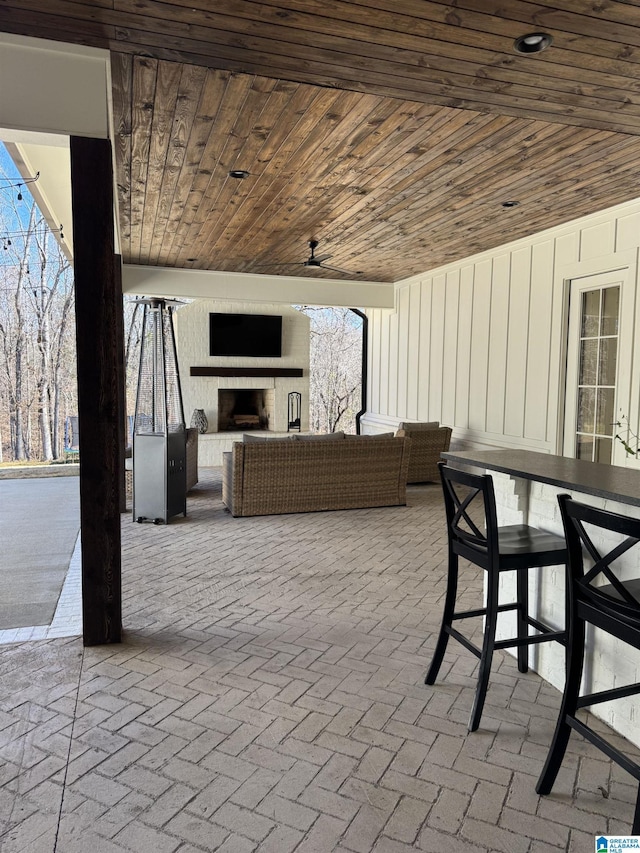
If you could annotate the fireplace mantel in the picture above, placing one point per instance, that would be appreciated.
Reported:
(246, 371)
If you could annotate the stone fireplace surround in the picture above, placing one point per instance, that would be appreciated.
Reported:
(202, 391)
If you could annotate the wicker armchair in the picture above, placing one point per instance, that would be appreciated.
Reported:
(428, 441)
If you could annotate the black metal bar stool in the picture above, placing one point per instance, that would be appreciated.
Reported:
(516, 547)
(613, 607)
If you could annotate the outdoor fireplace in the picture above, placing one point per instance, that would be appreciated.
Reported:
(242, 409)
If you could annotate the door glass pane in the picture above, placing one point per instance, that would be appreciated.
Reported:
(586, 409)
(584, 447)
(603, 450)
(610, 311)
(590, 313)
(608, 361)
(588, 362)
(604, 420)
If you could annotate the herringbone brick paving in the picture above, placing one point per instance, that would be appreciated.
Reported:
(268, 697)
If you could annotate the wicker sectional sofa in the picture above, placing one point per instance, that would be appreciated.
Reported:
(287, 475)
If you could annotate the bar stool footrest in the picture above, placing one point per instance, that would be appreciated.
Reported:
(469, 646)
(482, 611)
(511, 642)
(609, 750)
(608, 695)
(529, 641)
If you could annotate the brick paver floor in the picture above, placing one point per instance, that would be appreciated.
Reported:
(268, 697)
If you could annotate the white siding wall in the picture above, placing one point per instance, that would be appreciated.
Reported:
(479, 345)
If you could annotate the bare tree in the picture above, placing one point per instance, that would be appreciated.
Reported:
(336, 368)
(37, 358)
(51, 295)
(13, 344)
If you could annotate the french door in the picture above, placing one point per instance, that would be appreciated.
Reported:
(598, 364)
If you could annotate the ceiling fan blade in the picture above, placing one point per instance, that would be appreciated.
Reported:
(312, 262)
(337, 269)
(284, 264)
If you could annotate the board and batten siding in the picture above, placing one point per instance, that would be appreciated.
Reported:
(480, 345)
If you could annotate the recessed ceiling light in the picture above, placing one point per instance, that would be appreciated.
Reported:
(532, 42)
(508, 204)
(239, 174)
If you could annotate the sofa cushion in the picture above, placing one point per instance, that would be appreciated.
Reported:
(418, 427)
(323, 436)
(248, 437)
(373, 437)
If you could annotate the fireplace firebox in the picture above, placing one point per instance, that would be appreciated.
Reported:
(242, 409)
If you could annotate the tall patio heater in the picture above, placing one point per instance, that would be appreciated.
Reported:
(159, 439)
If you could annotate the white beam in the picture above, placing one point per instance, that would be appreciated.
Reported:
(289, 290)
(53, 88)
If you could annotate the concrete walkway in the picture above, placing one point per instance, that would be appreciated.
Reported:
(39, 526)
(268, 698)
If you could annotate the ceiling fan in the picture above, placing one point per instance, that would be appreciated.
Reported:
(315, 262)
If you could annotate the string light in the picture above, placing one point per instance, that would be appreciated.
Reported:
(11, 184)
(6, 238)
(14, 266)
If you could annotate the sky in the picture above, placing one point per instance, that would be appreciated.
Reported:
(9, 174)
(14, 219)
(7, 166)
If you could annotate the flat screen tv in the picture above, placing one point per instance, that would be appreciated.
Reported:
(253, 335)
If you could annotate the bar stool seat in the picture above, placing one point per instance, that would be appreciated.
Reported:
(612, 607)
(517, 547)
(518, 539)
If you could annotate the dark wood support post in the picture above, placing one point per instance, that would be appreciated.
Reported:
(122, 379)
(100, 417)
(365, 367)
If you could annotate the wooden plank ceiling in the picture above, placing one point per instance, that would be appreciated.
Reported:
(391, 131)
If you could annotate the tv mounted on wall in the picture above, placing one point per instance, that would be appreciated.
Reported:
(253, 335)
